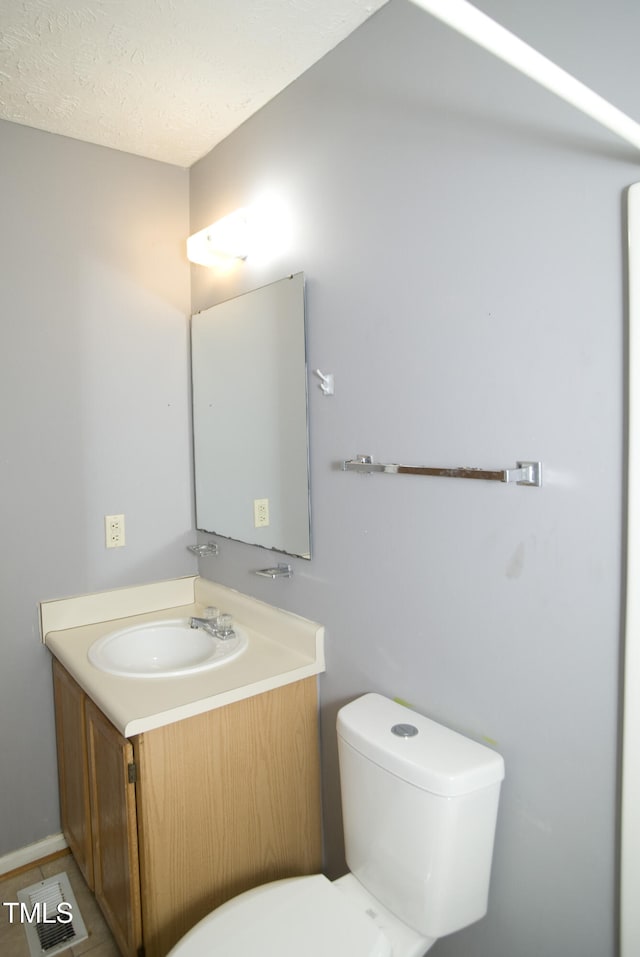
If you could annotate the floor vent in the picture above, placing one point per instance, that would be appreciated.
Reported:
(51, 917)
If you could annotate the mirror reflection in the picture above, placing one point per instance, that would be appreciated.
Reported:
(250, 418)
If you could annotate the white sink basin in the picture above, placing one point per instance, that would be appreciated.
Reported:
(163, 649)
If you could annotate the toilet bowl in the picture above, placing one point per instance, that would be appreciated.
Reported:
(419, 806)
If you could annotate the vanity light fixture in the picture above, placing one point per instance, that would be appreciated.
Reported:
(228, 238)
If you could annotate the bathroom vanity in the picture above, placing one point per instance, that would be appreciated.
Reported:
(170, 812)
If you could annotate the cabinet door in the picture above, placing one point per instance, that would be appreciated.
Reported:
(113, 825)
(227, 800)
(73, 774)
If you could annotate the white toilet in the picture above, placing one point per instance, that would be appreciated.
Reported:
(419, 805)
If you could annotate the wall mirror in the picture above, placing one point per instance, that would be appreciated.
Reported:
(249, 373)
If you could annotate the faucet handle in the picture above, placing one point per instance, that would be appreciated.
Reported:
(224, 626)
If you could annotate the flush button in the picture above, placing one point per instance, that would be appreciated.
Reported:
(404, 730)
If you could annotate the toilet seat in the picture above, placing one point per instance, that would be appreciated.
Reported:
(300, 915)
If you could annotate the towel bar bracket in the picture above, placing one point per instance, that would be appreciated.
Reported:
(525, 473)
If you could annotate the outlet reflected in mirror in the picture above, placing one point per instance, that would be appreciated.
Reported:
(250, 418)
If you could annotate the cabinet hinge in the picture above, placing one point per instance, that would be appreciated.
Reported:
(132, 773)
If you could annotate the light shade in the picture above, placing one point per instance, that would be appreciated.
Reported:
(228, 238)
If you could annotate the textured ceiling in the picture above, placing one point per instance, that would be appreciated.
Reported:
(166, 79)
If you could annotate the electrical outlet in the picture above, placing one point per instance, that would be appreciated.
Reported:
(260, 512)
(114, 531)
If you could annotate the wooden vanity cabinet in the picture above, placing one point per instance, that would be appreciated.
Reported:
(224, 801)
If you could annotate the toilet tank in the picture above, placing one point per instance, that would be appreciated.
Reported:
(419, 805)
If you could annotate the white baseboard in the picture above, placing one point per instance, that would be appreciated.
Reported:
(31, 853)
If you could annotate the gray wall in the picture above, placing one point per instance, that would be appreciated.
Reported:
(461, 231)
(94, 407)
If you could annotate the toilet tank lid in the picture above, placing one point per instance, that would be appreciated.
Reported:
(435, 758)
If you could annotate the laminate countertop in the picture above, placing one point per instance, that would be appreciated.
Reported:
(282, 648)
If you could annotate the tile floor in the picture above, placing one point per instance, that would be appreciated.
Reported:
(13, 940)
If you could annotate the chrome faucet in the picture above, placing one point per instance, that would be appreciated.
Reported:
(207, 624)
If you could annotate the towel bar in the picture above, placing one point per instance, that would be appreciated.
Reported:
(525, 473)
